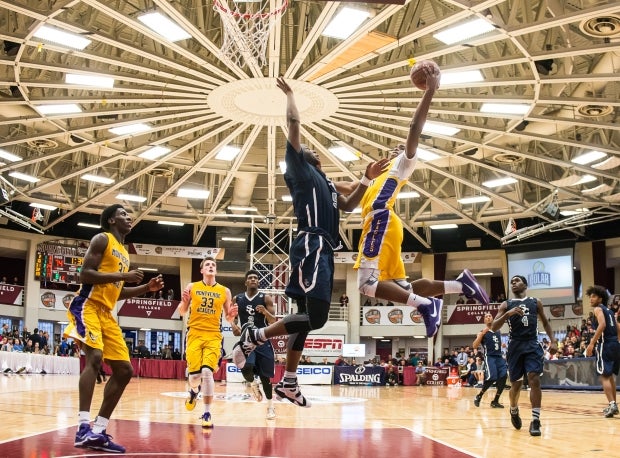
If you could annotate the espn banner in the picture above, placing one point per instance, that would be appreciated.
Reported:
(142, 307)
(11, 294)
(316, 345)
(392, 315)
(175, 251)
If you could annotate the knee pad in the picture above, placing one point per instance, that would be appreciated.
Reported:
(318, 313)
(296, 341)
(248, 372)
(367, 281)
(194, 380)
(208, 384)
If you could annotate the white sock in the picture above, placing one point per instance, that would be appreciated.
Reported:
(289, 375)
(452, 287)
(100, 425)
(207, 408)
(260, 335)
(415, 300)
(83, 416)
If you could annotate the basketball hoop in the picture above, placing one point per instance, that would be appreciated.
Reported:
(246, 30)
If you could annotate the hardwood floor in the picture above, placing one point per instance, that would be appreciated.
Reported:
(39, 417)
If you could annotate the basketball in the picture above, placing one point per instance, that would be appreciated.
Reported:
(417, 74)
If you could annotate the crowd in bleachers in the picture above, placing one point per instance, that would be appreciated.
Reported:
(37, 342)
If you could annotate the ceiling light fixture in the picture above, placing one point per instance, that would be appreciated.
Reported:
(287, 198)
(431, 127)
(92, 226)
(104, 82)
(64, 108)
(171, 223)
(444, 226)
(148, 269)
(426, 155)
(43, 206)
(131, 197)
(505, 108)
(97, 179)
(164, 26)
(228, 153)
(345, 22)
(588, 157)
(499, 182)
(464, 31)
(24, 177)
(343, 153)
(9, 156)
(190, 193)
(473, 199)
(61, 37)
(407, 195)
(154, 152)
(241, 208)
(130, 129)
(282, 165)
(234, 239)
(463, 77)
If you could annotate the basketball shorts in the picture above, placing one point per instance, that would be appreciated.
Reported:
(524, 356)
(203, 350)
(312, 268)
(94, 325)
(263, 360)
(496, 368)
(380, 245)
(607, 358)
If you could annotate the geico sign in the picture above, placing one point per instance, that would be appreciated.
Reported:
(232, 368)
(314, 370)
(323, 343)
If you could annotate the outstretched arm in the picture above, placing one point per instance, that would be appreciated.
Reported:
(373, 170)
(419, 117)
(292, 115)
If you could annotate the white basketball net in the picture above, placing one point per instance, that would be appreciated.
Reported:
(246, 30)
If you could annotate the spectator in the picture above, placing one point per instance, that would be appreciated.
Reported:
(16, 281)
(17, 345)
(460, 300)
(176, 354)
(392, 377)
(4, 280)
(344, 300)
(420, 372)
(5, 330)
(339, 361)
(142, 351)
(170, 294)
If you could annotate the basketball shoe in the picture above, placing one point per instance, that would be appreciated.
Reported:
(290, 392)
(256, 392)
(271, 413)
(535, 428)
(471, 288)
(515, 419)
(103, 442)
(248, 341)
(190, 402)
(611, 410)
(207, 422)
(83, 435)
(431, 314)
(477, 400)
(496, 405)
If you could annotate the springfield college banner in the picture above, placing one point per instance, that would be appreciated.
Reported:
(143, 307)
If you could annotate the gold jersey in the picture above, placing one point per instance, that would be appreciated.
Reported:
(205, 308)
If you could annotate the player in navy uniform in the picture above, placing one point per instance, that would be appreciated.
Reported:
(257, 309)
(605, 340)
(496, 371)
(525, 354)
(316, 203)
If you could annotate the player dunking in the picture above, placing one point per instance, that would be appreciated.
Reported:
(256, 309)
(204, 300)
(381, 270)
(495, 367)
(316, 203)
(104, 272)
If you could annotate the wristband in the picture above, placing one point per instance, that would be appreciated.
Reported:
(364, 181)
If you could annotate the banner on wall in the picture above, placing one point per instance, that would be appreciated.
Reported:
(143, 307)
(349, 257)
(176, 251)
(469, 313)
(11, 294)
(316, 345)
(55, 299)
(392, 315)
